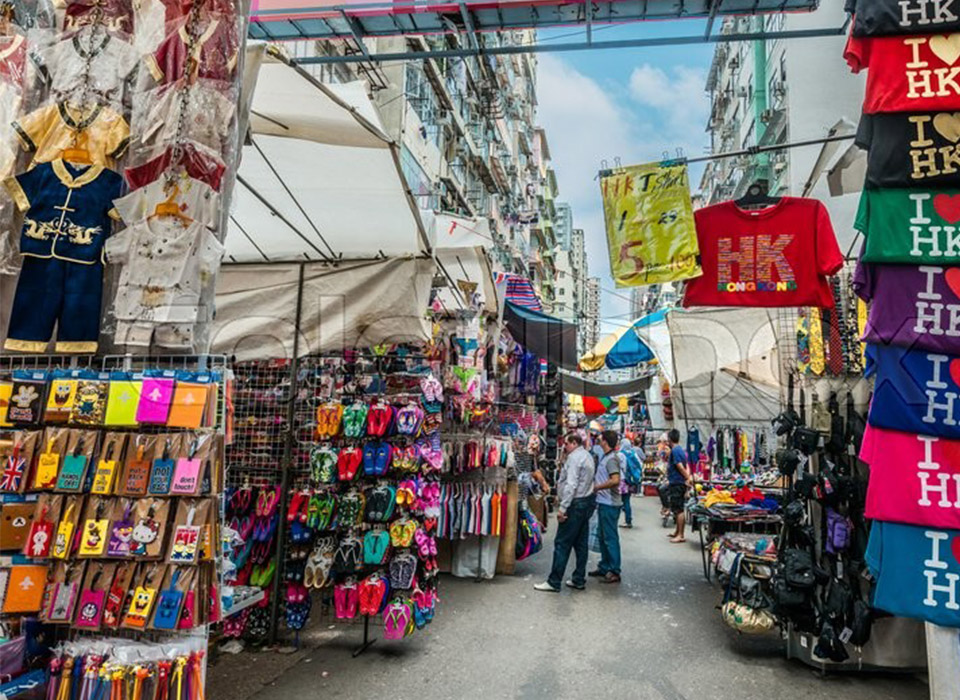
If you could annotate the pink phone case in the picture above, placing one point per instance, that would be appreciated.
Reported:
(155, 401)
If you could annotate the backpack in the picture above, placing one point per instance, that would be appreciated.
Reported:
(839, 532)
(529, 535)
(798, 569)
(633, 471)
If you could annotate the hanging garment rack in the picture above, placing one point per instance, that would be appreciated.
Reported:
(750, 151)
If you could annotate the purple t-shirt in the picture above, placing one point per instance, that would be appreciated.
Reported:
(910, 306)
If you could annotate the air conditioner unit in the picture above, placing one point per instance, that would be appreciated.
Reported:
(779, 163)
(778, 88)
(767, 115)
(742, 92)
(444, 118)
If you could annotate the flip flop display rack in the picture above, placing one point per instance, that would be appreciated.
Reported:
(112, 513)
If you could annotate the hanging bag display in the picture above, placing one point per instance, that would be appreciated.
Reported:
(161, 474)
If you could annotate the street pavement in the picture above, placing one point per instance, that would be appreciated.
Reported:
(656, 636)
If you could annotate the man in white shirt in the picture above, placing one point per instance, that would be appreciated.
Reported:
(576, 504)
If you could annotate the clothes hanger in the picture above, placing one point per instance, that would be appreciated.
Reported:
(169, 206)
(758, 196)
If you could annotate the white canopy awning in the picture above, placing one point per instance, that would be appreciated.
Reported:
(321, 179)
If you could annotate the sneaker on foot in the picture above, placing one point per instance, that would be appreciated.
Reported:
(628, 526)
(576, 587)
(546, 587)
(596, 573)
(610, 578)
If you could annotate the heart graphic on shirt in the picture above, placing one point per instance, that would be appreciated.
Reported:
(952, 276)
(948, 207)
(955, 548)
(946, 47)
(955, 371)
(948, 125)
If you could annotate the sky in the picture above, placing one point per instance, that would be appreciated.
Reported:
(631, 104)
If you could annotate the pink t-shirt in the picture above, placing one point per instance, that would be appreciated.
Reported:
(914, 479)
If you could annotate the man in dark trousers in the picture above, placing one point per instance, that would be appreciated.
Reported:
(576, 505)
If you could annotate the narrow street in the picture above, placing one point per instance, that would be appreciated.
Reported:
(655, 637)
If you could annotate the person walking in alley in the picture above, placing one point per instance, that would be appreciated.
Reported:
(631, 478)
(576, 504)
(609, 504)
(678, 479)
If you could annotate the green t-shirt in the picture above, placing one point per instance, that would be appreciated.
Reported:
(910, 226)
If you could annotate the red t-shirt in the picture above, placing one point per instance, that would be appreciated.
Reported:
(778, 256)
(907, 73)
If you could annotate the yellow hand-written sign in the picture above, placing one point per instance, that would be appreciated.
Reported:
(649, 221)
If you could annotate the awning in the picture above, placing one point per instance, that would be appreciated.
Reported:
(320, 178)
(624, 347)
(347, 305)
(572, 384)
(519, 290)
(550, 338)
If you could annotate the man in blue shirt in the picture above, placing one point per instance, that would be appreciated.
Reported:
(607, 487)
(678, 479)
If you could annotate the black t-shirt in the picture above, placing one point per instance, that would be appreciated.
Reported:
(886, 17)
(911, 150)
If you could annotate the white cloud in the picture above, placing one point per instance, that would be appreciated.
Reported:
(588, 122)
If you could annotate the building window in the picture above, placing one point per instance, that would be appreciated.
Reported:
(783, 67)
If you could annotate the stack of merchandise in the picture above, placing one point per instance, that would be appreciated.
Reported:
(110, 487)
(908, 214)
(98, 89)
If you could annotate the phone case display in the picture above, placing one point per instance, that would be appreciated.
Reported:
(108, 89)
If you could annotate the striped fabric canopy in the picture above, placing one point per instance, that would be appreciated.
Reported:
(519, 290)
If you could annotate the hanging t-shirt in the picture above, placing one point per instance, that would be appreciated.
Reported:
(207, 115)
(215, 52)
(47, 131)
(911, 150)
(67, 210)
(165, 266)
(13, 54)
(886, 17)
(917, 570)
(907, 74)
(911, 306)
(910, 226)
(197, 201)
(92, 54)
(914, 479)
(193, 159)
(916, 391)
(778, 256)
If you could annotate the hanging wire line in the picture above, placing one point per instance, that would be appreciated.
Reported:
(273, 210)
(292, 196)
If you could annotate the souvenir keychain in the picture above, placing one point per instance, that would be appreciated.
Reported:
(187, 474)
(63, 598)
(91, 603)
(142, 602)
(74, 469)
(41, 533)
(13, 470)
(162, 473)
(137, 474)
(121, 534)
(116, 597)
(93, 539)
(64, 540)
(186, 539)
(48, 466)
(103, 476)
(63, 394)
(145, 533)
(168, 605)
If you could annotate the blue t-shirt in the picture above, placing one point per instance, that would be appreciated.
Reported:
(916, 391)
(677, 456)
(917, 570)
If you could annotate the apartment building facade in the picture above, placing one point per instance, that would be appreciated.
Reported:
(469, 140)
(590, 324)
(775, 92)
